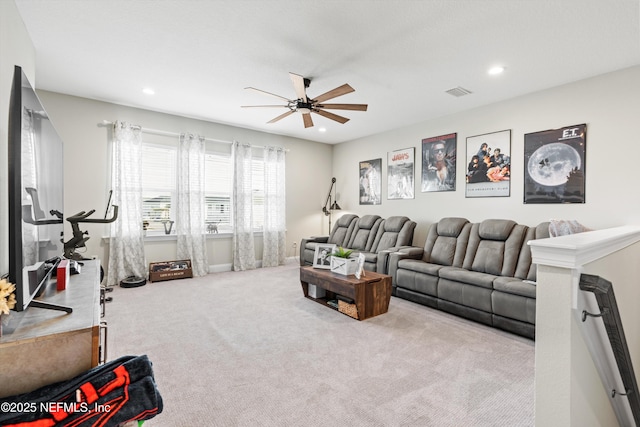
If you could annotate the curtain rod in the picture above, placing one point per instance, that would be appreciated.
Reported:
(168, 133)
(164, 132)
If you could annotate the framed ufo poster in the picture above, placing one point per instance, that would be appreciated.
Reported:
(554, 165)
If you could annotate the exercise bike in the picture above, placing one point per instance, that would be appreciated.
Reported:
(79, 238)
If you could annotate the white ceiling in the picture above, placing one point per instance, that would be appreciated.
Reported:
(400, 56)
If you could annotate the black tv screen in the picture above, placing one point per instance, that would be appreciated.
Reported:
(36, 179)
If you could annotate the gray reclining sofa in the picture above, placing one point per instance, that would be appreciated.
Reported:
(371, 235)
(480, 271)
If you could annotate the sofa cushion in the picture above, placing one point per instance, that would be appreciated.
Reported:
(541, 232)
(462, 275)
(489, 257)
(369, 257)
(515, 286)
(343, 229)
(417, 282)
(364, 233)
(394, 231)
(494, 247)
(496, 229)
(419, 266)
(446, 241)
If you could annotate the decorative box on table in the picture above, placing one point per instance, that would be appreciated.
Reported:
(344, 266)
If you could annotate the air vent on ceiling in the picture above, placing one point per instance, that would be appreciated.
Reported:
(459, 91)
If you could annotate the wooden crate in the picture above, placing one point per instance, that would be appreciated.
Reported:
(169, 270)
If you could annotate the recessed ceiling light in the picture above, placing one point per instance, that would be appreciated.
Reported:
(148, 91)
(322, 130)
(494, 71)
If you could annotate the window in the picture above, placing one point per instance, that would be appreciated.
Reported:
(218, 181)
(159, 189)
(158, 186)
(257, 179)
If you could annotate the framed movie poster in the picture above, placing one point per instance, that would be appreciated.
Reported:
(400, 174)
(371, 182)
(554, 165)
(439, 163)
(489, 165)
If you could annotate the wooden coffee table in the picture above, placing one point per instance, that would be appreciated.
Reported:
(371, 293)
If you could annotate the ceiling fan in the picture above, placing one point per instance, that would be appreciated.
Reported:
(306, 105)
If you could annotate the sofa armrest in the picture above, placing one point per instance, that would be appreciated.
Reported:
(382, 264)
(404, 252)
(383, 261)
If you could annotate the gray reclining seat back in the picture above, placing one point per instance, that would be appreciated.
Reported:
(494, 247)
(343, 229)
(394, 231)
(525, 270)
(364, 233)
(340, 235)
(446, 242)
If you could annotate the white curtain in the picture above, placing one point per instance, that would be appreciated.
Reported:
(243, 245)
(190, 218)
(126, 248)
(274, 241)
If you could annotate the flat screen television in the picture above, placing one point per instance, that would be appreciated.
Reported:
(36, 228)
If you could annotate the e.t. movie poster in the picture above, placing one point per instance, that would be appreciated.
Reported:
(554, 164)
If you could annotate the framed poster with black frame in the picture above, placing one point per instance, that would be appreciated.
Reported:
(400, 169)
(370, 182)
(439, 163)
(554, 165)
(489, 165)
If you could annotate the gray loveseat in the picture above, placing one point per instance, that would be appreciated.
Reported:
(480, 271)
(375, 237)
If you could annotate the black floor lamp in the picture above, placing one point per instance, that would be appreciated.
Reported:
(328, 206)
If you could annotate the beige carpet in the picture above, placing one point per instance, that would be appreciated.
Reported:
(247, 349)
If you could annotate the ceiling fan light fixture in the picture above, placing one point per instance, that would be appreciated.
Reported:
(305, 105)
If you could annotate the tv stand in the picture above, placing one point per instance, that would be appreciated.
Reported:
(41, 347)
(50, 306)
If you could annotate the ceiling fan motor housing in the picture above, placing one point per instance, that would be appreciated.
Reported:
(304, 107)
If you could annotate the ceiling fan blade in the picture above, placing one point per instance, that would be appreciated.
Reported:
(298, 85)
(264, 106)
(281, 116)
(356, 107)
(306, 118)
(268, 93)
(334, 93)
(332, 116)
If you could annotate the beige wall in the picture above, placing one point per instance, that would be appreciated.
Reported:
(608, 104)
(79, 123)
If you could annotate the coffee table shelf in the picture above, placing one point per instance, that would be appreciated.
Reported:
(371, 293)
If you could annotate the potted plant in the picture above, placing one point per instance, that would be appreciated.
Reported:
(341, 263)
